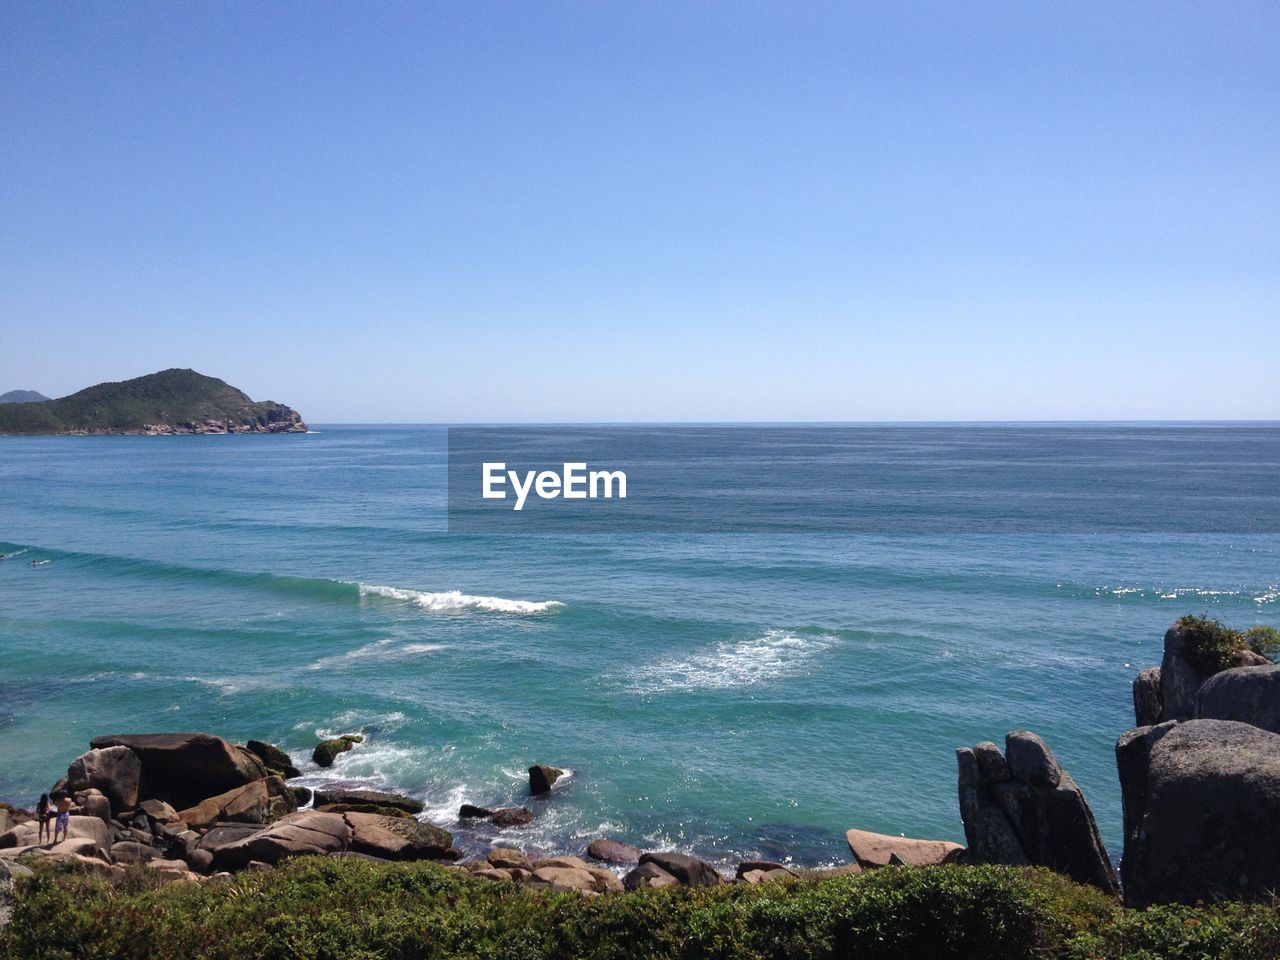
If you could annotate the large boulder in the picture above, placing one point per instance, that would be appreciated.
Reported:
(397, 838)
(613, 851)
(511, 817)
(274, 759)
(649, 875)
(327, 750)
(1029, 811)
(114, 771)
(1202, 814)
(542, 778)
(872, 850)
(9, 873)
(690, 871)
(184, 768)
(91, 803)
(1247, 694)
(298, 834)
(507, 858)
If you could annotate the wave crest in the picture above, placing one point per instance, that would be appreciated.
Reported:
(454, 601)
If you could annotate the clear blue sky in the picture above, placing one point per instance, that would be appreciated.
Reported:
(635, 211)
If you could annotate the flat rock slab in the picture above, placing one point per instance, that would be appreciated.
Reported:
(873, 850)
(81, 828)
(299, 834)
(369, 798)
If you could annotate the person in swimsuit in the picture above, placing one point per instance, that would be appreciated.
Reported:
(63, 822)
(43, 816)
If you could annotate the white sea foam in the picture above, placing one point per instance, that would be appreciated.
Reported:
(455, 601)
(773, 654)
(379, 649)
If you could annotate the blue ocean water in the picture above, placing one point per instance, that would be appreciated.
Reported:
(745, 694)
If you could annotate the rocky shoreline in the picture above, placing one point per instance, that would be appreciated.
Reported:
(1200, 777)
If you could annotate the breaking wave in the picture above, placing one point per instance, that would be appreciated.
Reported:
(455, 601)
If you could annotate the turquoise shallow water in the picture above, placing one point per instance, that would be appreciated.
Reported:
(729, 694)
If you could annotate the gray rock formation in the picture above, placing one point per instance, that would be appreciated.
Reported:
(689, 871)
(1034, 815)
(1181, 678)
(115, 771)
(648, 875)
(327, 750)
(542, 778)
(1247, 694)
(1148, 702)
(1202, 812)
(613, 851)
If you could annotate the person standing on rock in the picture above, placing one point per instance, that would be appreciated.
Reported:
(63, 822)
(43, 816)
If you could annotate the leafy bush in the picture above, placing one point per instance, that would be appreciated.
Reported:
(1229, 931)
(325, 909)
(1265, 640)
(1211, 646)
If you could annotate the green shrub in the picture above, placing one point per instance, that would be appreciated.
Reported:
(1265, 640)
(1211, 646)
(1228, 931)
(318, 909)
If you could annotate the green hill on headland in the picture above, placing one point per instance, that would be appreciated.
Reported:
(22, 396)
(169, 402)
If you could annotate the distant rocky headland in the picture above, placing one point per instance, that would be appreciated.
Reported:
(158, 404)
(22, 396)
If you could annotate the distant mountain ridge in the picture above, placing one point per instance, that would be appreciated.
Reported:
(22, 396)
(169, 402)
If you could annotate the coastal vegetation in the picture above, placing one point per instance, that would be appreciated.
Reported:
(359, 910)
(171, 401)
(1212, 646)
